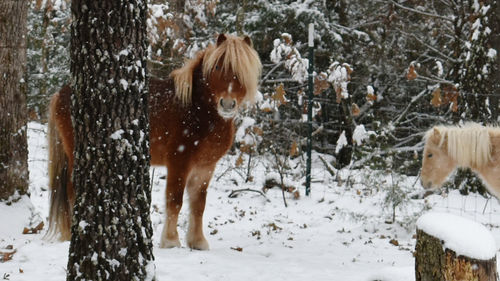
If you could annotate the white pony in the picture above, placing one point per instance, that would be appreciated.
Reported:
(471, 146)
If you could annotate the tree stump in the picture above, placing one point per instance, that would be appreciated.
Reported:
(451, 248)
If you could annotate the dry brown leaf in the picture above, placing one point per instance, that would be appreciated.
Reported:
(371, 97)
(258, 131)
(239, 249)
(349, 70)
(294, 149)
(211, 6)
(436, 98)
(412, 74)
(245, 148)
(239, 161)
(47, 5)
(7, 255)
(38, 4)
(355, 110)
(446, 95)
(339, 96)
(279, 94)
(33, 230)
(320, 83)
(287, 39)
(450, 95)
(454, 106)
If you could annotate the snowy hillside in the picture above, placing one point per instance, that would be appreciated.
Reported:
(344, 231)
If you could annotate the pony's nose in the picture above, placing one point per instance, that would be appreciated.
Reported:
(426, 184)
(228, 104)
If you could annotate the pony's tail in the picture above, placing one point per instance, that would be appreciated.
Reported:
(60, 211)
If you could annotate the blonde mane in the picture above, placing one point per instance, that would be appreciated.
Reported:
(237, 57)
(469, 144)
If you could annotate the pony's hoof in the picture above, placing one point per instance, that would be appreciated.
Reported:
(166, 243)
(201, 244)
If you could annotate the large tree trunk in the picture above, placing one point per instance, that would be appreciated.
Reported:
(495, 44)
(434, 263)
(111, 229)
(13, 110)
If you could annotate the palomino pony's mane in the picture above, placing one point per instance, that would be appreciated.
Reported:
(237, 57)
(469, 144)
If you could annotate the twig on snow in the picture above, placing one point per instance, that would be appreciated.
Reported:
(235, 193)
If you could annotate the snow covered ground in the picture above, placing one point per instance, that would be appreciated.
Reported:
(343, 231)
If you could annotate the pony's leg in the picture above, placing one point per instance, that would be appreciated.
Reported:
(197, 190)
(176, 182)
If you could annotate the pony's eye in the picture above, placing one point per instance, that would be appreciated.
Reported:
(216, 67)
(429, 155)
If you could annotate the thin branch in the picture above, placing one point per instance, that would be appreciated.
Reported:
(421, 12)
(282, 80)
(430, 47)
(248, 168)
(223, 173)
(317, 131)
(327, 165)
(279, 166)
(360, 163)
(235, 193)
(410, 105)
(271, 71)
(434, 79)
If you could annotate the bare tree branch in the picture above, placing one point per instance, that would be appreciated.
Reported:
(420, 12)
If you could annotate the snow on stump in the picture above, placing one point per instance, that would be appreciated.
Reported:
(452, 248)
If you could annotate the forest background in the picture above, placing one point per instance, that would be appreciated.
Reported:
(385, 71)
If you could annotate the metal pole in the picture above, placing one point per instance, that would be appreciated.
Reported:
(309, 108)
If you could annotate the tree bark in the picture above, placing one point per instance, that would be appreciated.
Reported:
(433, 263)
(111, 229)
(495, 44)
(13, 109)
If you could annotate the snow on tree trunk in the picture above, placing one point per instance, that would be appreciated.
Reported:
(111, 228)
(13, 112)
(495, 51)
(452, 248)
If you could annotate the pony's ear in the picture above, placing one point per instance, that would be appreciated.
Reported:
(220, 39)
(248, 41)
(436, 134)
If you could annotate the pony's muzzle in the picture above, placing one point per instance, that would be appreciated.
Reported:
(227, 104)
(227, 108)
(425, 184)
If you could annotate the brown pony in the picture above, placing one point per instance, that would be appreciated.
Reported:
(471, 146)
(191, 123)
